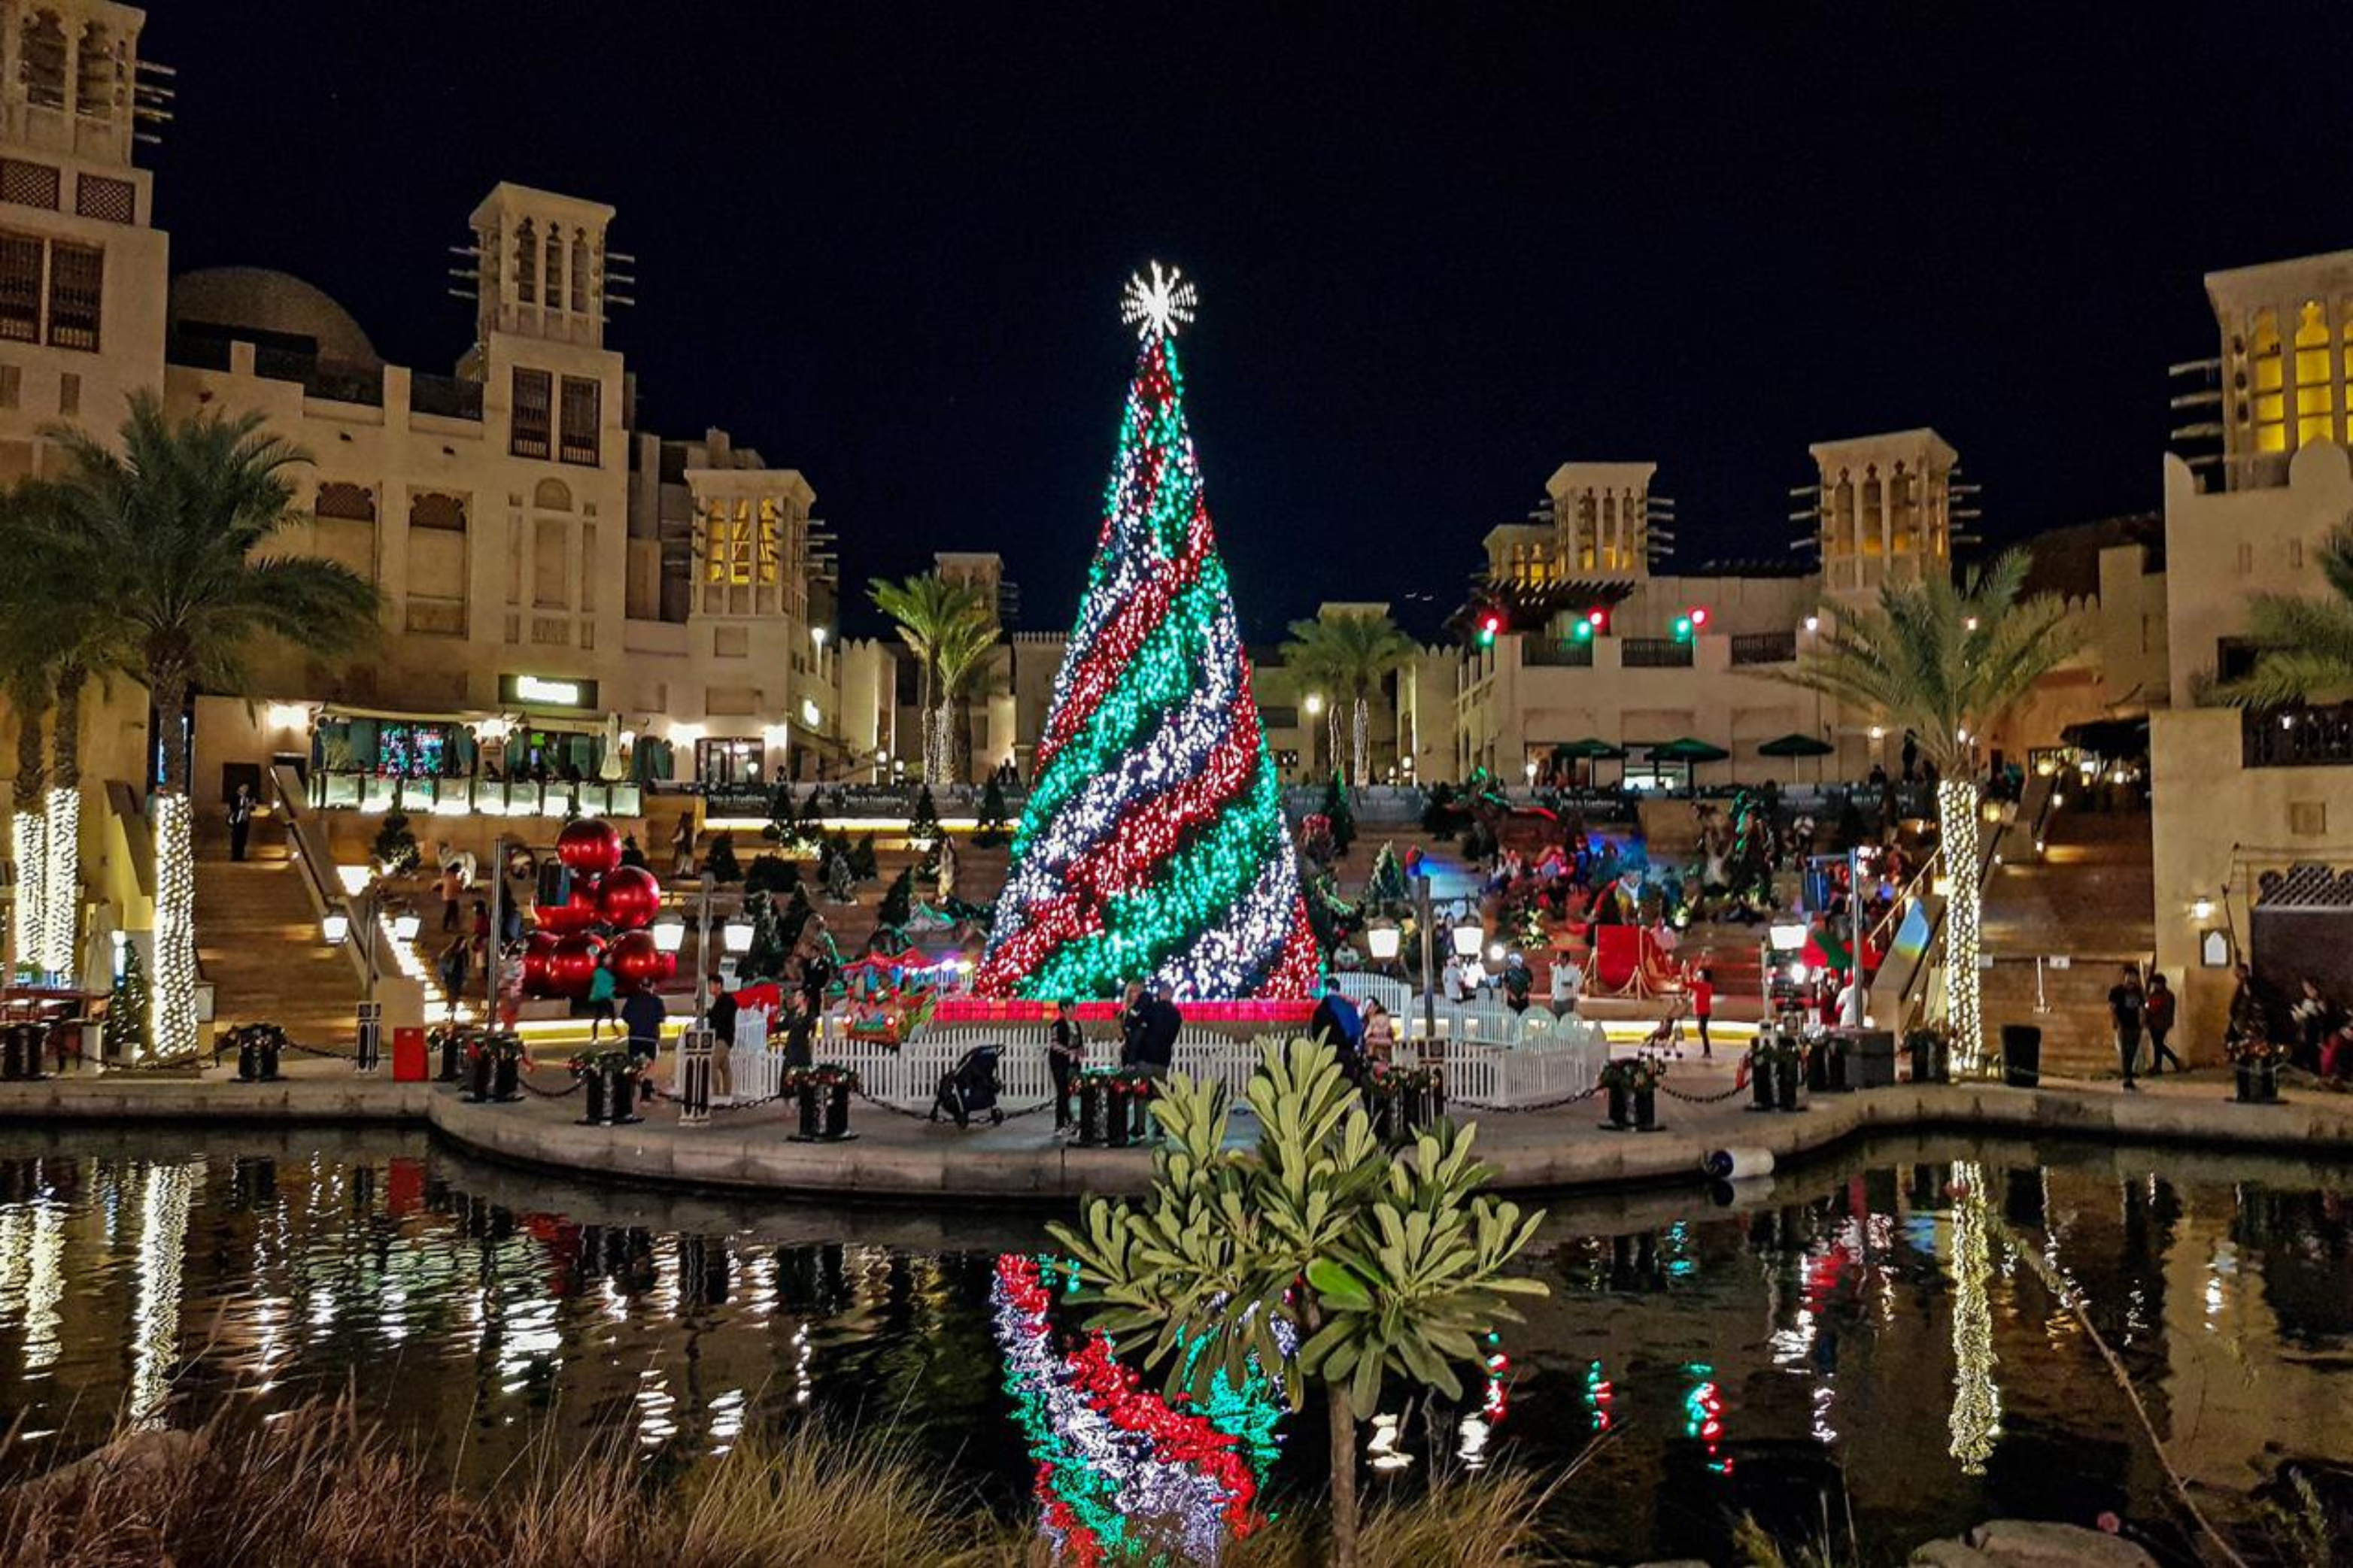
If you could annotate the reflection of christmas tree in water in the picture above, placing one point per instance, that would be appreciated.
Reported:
(1152, 843)
(1122, 1472)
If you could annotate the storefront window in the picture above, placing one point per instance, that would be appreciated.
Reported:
(414, 751)
(728, 760)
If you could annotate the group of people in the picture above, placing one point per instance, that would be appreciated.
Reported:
(1149, 1022)
(2319, 1035)
(2136, 1008)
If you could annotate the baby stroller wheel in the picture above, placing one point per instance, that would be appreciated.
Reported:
(997, 1119)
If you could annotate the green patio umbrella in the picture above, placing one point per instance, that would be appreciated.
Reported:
(1688, 750)
(1796, 746)
(1591, 749)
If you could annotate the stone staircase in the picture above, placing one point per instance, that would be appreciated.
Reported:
(2091, 900)
(257, 940)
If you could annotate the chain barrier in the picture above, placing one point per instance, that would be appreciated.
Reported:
(1737, 1088)
(523, 1081)
(1523, 1109)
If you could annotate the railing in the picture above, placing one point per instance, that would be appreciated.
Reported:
(345, 790)
(1563, 1058)
(1576, 654)
(1654, 653)
(2297, 737)
(306, 843)
(1765, 647)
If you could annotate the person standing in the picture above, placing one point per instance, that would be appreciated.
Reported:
(682, 846)
(2157, 1012)
(1156, 1049)
(720, 1019)
(801, 1030)
(1452, 981)
(2126, 1011)
(642, 1015)
(601, 987)
(1066, 1053)
(455, 961)
(1702, 1000)
(453, 891)
(2316, 1020)
(510, 987)
(240, 821)
(1380, 1035)
(1131, 1025)
(1519, 983)
(2246, 1019)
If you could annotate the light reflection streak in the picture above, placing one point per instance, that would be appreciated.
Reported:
(155, 1325)
(44, 1286)
(1977, 1399)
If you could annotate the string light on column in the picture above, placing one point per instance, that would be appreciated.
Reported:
(172, 1001)
(28, 846)
(60, 893)
(1957, 818)
(1977, 1399)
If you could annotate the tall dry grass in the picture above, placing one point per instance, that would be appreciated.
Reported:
(320, 1488)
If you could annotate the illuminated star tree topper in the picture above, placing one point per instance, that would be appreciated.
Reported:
(1159, 305)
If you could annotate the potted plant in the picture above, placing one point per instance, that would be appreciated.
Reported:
(495, 1057)
(1632, 1086)
(258, 1048)
(2256, 1061)
(609, 1078)
(1932, 1055)
(448, 1042)
(1773, 1063)
(1405, 1101)
(823, 1094)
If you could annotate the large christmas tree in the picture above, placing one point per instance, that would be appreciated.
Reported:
(1152, 845)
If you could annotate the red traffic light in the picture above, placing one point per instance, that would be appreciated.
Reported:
(1699, 616)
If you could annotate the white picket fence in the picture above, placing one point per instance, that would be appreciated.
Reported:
(1540, 1065)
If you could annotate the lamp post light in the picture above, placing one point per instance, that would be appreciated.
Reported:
(1428, 930)
(1470, 936)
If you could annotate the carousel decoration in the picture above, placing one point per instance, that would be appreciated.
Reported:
(887, 998)
(604, 922)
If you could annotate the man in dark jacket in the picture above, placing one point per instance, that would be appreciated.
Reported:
(1338, 1024)
(1156, 1048)
(1132, 1015)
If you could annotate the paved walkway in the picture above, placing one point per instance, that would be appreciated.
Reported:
(899, 1157)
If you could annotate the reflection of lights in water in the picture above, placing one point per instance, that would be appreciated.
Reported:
(1383, 1450)
(529, 1333)
(2221, 1267)
(666, 1277)
(727, 1420)
(1600, 1392)
(760, 1280)
(1977, 1400)
(322, 1308)
(617, 1304)
(155, 1325)
(1478, 1427)
(392, 1317)
(1824, 1395)
(654, 1405)
(45, 1284)
(1675, 1251)
(1703, 1415)
(1790, 1345)
(804, 1384)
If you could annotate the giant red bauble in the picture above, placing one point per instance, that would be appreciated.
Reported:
(572, 968)
(590, 845)
(628, 898)
(578, 913)
(537, 956)
(634, 960)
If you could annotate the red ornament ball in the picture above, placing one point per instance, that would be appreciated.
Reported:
(538, 955)
(577, 913)
(589, 845)
(628, 898)
(635, 961)
(573, 965)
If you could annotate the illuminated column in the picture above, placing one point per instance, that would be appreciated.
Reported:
(28, 846)
(1977, 1399)
(172, 1005)
(60, 893)
(156, 1328)
(1957, 824)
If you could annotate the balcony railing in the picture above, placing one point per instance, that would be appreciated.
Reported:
(344, 790)
(1574, 654)
(1765, 647)
(1655, 653)
(2298, 737)
(450, 396)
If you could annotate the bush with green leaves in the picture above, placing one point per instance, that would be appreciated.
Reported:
(395, 849)
(721, 863)
(772, 874)
(1404, 1263)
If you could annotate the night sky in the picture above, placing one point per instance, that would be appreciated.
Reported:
(1441, 249)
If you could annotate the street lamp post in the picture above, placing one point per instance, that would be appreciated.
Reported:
(1429, 956)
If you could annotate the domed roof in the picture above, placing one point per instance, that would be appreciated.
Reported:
(268, 301)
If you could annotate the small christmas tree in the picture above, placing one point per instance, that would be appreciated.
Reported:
(721, 864)
(993, 816)
(766, 956)
(863, 864)
(772, 874)
(1387, 885)
(783, 828)
(396, 843)
(1336, 806)
(899, 902)
(795, 919)
(125, 1033)
(924, 824)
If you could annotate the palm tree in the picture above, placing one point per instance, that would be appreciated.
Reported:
(172, 529)
(55, 626)
(24, 676)
(2305, 643)
(1947, 662)
(1353, 652)
(962, 648)
(929, 610)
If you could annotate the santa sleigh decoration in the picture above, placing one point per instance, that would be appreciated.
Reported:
(888, 999)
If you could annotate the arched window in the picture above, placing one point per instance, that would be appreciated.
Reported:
(41, 60)
(526, 263)
(2316, 392)
(98, 73)
(1868, 521)
(555, 267)
(2271, 401)
(438, 509)
(579, 274)
(341, 498)
(552, 495)
(1902, 519)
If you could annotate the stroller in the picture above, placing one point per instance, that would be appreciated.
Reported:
(971, 1087)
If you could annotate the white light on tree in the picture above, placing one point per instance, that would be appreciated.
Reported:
(171, 1000)
(1160, 306)
(29, 844)
(61, 882)
(1977, 1399)
(1957, 824)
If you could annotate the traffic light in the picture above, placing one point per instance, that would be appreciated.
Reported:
(1489, 625)
(1582, 631)
(1596, 622)
(1683, 628)
(1691, 622)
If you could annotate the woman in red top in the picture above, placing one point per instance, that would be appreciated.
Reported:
(1702, 999)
